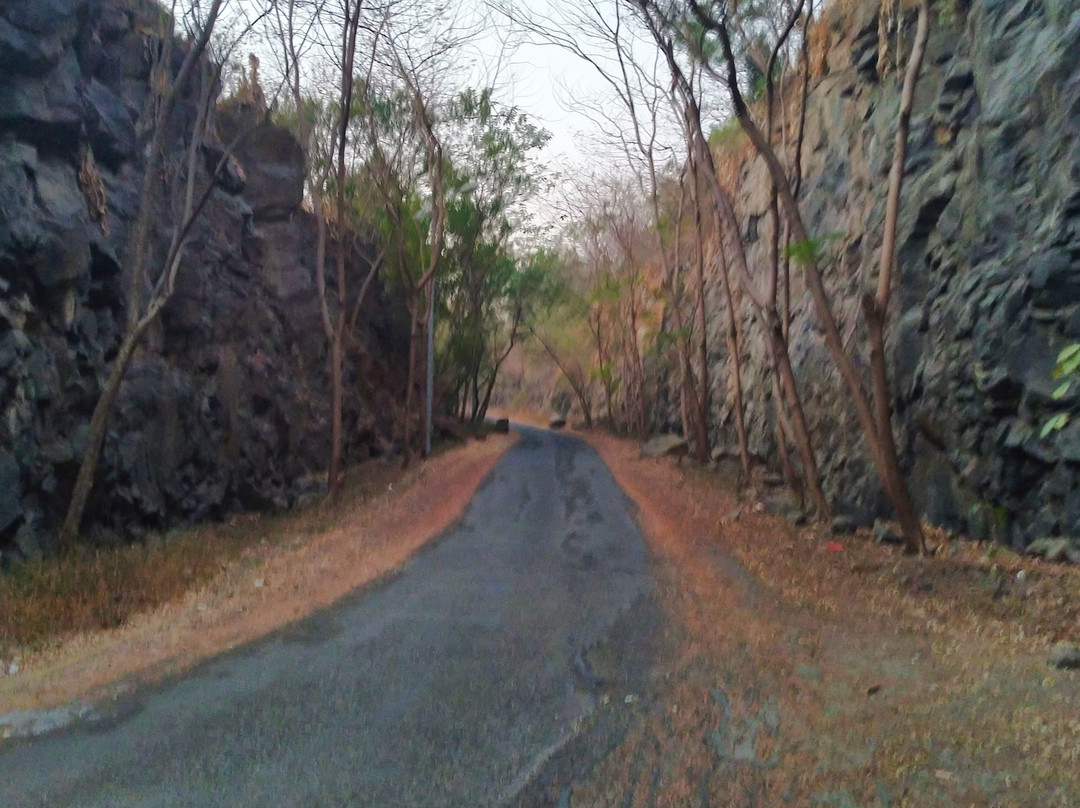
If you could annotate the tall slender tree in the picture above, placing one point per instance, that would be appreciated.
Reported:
(873, 408)
(198, 77)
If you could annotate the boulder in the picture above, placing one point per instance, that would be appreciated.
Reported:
(60, 246)
(502, 426)
(1065, 655)
(665, 446)
(111, 18)
(842, 525)
(28, 542)
(450, 428)
(1053, 549)
(728, 467)
(224, 406)
(287, 274)
(885, 534)
(49, 17)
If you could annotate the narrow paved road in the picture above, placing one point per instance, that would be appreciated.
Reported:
(448, 685)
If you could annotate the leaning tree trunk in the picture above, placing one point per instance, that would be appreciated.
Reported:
(875, 419)
(702, 395)
(161, 104)
(99, 421)
(337, 397)
(735, 359)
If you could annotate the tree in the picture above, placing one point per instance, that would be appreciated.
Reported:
(874, 408)
(410, 72)
(531, 291)
(573, 369)
(299, 26)
(492, 175)
(664, 31)
(198, 76)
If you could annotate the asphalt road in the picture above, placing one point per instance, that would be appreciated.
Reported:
(450, 684)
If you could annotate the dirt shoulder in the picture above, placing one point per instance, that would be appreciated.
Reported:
(808, 669)
(267, 587)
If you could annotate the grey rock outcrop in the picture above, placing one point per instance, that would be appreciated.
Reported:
(665, 446)
(225, 408)
(989, 269)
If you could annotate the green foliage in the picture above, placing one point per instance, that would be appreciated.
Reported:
(728, 136)
(811, 250)
(1055, 423)
(1068, 364)
(491, 291)
(606, 290)
(666, 339)
(948, 13)
(605, 374)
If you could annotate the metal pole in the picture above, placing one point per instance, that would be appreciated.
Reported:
(430, 370)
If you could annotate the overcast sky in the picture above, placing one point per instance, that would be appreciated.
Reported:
(555, 88)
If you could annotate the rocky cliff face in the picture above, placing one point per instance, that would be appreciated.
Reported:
(989, 260)
(226, 406)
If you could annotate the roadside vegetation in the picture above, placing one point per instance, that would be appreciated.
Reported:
(89, 589)
(77, 625)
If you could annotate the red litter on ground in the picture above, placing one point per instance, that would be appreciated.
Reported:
(834, 547)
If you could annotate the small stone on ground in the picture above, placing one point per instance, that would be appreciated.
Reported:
(1065, 655)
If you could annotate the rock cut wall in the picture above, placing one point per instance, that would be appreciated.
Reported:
(988, 262)
(226, 407)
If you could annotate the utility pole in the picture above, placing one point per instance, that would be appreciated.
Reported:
(430, 386)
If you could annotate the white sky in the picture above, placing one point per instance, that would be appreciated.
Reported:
(543, 81)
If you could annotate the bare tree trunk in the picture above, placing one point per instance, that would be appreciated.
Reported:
(875, 419)
(693, 426)
(160, 107)
(337, 389)
(596, 331)
(577, 384)
(424, 123)
(702, 394)
(877, 308)
(96, 436)
(728, 223)
(735, 359)
(639, 373)
(770, 322)
(489, 388)
(783, 440)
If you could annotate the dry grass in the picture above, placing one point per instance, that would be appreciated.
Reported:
(87, 589)
(158, 610)
(837, 11)
(820, 37)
